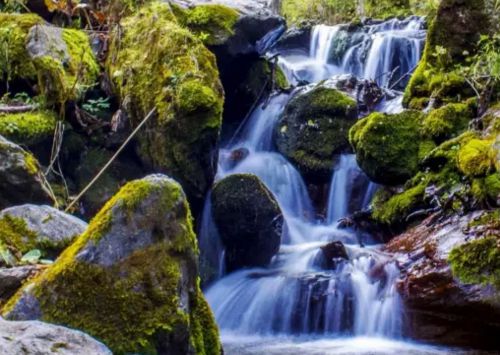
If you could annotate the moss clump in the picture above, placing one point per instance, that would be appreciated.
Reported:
(446, 122)
(28, 128)
(16, 237)
(213, 24)
(15, 61)
(259, 81)
(476, 158)
(388, 147)
(478, 261)
(134, 304)
(314, 128)
(393, 209)
(155, 63)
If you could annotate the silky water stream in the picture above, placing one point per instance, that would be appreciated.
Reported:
(294, 306)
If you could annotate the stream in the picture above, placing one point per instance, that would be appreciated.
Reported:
(294, 306)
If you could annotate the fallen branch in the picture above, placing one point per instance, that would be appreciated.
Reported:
(17, 108)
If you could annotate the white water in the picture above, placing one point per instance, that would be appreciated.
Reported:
(294, 295)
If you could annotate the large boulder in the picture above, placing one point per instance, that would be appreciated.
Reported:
(313, 130)
(451, 278)
(157, 64)
(131, 279)
(42, 338)
(248, 219)
(21, 179)
(389, 147)
(28, 227)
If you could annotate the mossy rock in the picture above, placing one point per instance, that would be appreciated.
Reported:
(29, 227)
(447, 122)
(313, 130)
(21, 180)
(212, 23)
(59, 61)
(476, 158)
(248, 219)
(28, 128)
(389, 148)
(455, 29)
(155, 63)
(131, 279)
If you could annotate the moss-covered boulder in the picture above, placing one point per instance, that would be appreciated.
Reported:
(314, 129)
(131, 279)
(447, 122)
(21, 180)
(29, 227)
(389, 147)
(28, 128)
(248, 219)
(453, 34)
(59, 61)
(477, 158)
(157, 64)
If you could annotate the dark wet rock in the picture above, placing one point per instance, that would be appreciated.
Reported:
(131, 279)
(42, 338)
(313, 130)
(295, 38)
(441, 307)
(237, 156)
(21, 180)
(249, 221)
(331, 255)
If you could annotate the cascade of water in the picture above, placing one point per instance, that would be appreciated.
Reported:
(296, 294)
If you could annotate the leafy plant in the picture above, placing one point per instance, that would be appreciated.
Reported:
(97, 106)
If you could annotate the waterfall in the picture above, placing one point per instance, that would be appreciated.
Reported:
(296, 294)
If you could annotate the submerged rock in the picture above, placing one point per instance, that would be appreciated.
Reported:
(331, 254)
(42, 338)
(248, 219)
(314, 128)
(445, 302)
(21, 180)
(155, 63)
(131, 279)
(29, 227)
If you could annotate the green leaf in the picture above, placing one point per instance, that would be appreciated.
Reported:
(31, 257)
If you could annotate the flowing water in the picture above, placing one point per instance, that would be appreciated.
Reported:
(296, 295)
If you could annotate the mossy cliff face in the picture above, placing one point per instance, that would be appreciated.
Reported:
(314, 129)
(131, 279)
(454, 32)
(59, 61)
(389, 147)
(21, 179)
(28, 128)
(248, 219)
(155, 63)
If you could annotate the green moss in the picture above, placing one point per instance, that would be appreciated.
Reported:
(28, 128)
(259, 80)
(185, 89)
(32, 165)
(15, 235)
(133, 303)
(314, 128)
(213, 24)
(394, 209)
(476, 158)
(478, 262)
(446, 122)
(15, 61)
(388, 146)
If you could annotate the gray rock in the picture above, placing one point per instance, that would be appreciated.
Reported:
(13, 278)
(20, 178)
(44, 41)
(245, 7)
(38, 338)
(51, 226)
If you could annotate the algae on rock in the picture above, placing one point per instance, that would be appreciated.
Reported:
(155, 63)
(131, 279)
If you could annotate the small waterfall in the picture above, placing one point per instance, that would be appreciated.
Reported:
(297, 293)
